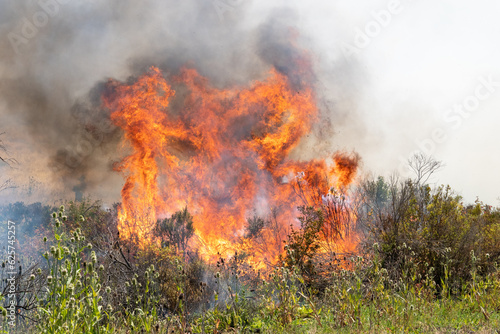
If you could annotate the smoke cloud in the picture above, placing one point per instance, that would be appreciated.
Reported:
(57, 55)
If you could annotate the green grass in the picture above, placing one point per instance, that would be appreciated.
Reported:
(74, 295)
(436, 317)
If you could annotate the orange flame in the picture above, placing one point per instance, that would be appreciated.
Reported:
(223, 153)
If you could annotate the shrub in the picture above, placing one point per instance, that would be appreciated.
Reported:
(432, 228)
(303, 244)
(176, 230)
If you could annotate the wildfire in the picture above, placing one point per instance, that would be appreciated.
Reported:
(223, 153)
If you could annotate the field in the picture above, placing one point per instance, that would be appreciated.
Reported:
(424, 263)
(249, 166)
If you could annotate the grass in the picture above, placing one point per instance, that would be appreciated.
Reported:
(435, 317)
(75, 293)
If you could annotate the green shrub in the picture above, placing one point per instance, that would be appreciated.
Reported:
(431, 228)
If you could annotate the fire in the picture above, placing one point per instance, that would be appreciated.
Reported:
(223, 153)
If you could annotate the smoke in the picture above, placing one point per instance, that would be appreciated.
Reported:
(57, 55)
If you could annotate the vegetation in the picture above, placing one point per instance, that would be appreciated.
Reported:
(176, 230)
(4, 183)
(427, 263)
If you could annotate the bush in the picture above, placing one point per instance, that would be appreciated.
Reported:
(303, 244)
(432, 228)
(176, 230)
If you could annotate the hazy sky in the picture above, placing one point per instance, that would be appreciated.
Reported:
(419, 64)
(398, 76)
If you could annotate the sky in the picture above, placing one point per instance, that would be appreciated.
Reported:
(395, 77)
(420, 63)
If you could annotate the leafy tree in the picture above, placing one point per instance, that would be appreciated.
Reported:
(379, 191)
(176, 230)
(370, 199)
(254, 227)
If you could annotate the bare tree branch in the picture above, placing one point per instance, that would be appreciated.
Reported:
(4, 153)
(5, 184)
(2, 149)
(424, 166)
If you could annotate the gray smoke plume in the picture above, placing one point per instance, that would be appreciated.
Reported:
(56, 56)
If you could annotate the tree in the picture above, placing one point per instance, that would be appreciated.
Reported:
(2, 150)
(176, 230)
(4, 160)
(267, 235)
(423, 166)
(254, 227)
(370, 200)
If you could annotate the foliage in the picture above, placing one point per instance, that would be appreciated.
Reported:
(99, 223)
(73, 296)
(176, 230)
(72, 302)
(29, 218)
(255, 225)
(303, 244)
(430, 226)
(430, 264)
